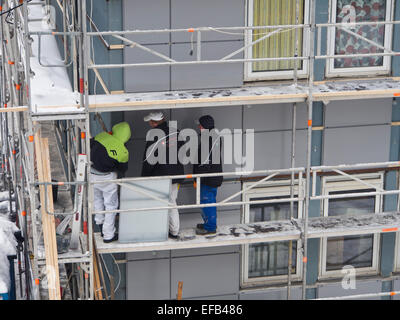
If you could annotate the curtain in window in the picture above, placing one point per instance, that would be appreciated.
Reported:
(364, 10)
(276, 12)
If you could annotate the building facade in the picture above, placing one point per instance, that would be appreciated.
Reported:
(345, 132)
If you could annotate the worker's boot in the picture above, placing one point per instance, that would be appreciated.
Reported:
(203, 232)
(100, 226)
(112, 239)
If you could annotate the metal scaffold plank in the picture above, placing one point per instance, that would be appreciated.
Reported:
(264, 232)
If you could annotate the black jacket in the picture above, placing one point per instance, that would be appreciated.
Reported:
(163, 169)
(101, 161)
(205, 165)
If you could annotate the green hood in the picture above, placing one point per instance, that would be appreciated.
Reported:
(122, 131)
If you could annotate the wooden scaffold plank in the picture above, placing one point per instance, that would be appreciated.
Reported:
(48, 224)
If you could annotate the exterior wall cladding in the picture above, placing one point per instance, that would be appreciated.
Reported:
(356, 131)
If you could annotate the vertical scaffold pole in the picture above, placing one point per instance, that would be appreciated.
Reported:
(293, 156)
(85, 58)
(311, 45)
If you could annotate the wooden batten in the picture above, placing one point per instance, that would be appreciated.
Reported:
(48, 224)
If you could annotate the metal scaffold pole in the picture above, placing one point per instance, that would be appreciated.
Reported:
(311, 38)
(293, 155)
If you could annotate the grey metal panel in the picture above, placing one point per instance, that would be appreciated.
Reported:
(206, 75)
(149, 255)
(356, 145)
(358, 112)
(148, 279)
(362, 287)
(190, 219)
(271, 294)
(396, 287)
(273, 149)
(221, 13)
(224, 297)
(144, 79)
(204, 251)
(205, 275)
(274, 117)
(187, 195)
(147, 15)
(225, 117)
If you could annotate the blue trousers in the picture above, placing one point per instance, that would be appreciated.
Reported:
(209, 214)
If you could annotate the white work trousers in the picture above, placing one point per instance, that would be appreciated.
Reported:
(105, 198)
(173, 214)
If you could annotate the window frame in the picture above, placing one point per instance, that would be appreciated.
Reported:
(335, 183)
(397, 253)
(270, 189)
(249, 74)
(331, 71)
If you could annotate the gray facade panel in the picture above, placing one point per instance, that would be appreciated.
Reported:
(145, 79)
(396, 288)
(206, 75)
(193, 13)
(204, 251)
(272, 117)
(358, 112)
(273, 149)
(147, 15)
(164, 254)
(356, 145)
(271, 294)
(362, 287)
(148, 279)
(205, 275)
(225, 117)
(224, 297)
(187, 195)
(189, 220)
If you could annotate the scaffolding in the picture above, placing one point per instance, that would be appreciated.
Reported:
(32, 117)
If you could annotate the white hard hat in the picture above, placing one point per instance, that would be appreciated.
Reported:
(155, 116)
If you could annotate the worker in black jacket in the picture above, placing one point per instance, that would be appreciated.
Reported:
(168, 164)
(109, 156)
(209, 161)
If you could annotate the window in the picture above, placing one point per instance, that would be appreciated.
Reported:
(359, 251)
(281, 44)
(344, 40)
(268, 262)
(397, 252)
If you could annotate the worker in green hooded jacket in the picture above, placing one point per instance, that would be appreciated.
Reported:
(109, 156)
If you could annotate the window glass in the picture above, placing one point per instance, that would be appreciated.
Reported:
(357, 205)
(350, 250)
(346, 43)
(271, 258)
(282, 44)
(271, 211)
(356, 251)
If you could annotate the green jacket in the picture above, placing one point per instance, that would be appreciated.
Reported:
(108, 151)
